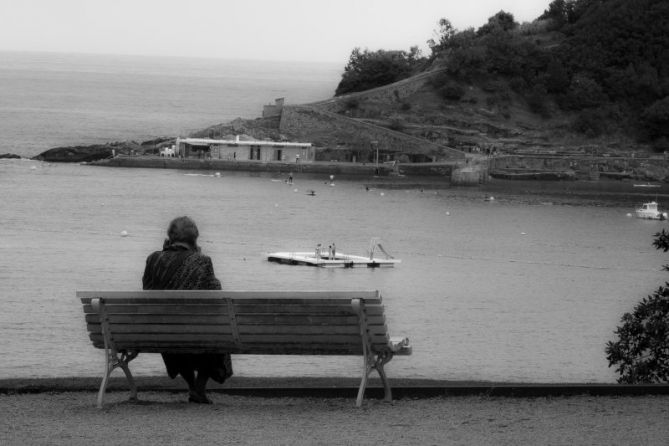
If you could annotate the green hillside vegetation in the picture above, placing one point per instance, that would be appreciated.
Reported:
(585, 72)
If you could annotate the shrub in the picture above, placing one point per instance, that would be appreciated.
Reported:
(641, 352)
(590, 123)
(655, 118)
(452, 92)
(370, 69)
(352, 103)
(397, 124)
(537, 99)
(584, 92)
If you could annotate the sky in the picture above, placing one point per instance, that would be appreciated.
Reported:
(285, 30)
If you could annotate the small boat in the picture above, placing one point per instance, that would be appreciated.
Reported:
(339, 260)
(650, 211)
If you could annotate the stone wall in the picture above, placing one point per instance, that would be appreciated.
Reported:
(644, 168)
(330, 129)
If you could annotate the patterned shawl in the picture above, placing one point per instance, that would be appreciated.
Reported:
(179, 267)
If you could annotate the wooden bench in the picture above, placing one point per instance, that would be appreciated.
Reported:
(126, 323)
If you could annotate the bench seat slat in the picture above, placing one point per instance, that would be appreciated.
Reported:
(251, 349)
(255, 349)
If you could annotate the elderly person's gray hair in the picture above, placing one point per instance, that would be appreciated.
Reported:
(183, 230)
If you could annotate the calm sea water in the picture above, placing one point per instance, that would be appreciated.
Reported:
(528, 287)
(50, 100)
(516, 289)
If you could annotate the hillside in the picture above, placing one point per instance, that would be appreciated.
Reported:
(588, 75)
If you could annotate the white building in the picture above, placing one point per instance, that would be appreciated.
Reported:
(234, 149)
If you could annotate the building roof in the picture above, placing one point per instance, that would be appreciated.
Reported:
(238, 142)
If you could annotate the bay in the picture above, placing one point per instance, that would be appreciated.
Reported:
(527, 287)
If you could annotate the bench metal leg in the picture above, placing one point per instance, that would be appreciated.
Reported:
(367, 367)
(380, 362)
(115, 360)
(375, 363)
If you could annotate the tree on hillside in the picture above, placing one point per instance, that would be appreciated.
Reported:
(443, 36)
(564, 12)
(641, 353)
(502, 21)
(370, 69)
(655, 119)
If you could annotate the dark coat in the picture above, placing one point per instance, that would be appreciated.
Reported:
(179, 267)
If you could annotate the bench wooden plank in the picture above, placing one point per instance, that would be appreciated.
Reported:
(304, 319)
(307, 309)
(113, 308)
(246, 319)
(250, 296)
(165, 328)
(272, 349)
(303, 339)
(242, 330)
(93, 318)
(161, 309)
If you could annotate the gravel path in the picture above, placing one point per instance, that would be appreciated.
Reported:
(164, 418)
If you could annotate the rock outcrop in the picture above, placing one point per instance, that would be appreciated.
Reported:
(80, 154)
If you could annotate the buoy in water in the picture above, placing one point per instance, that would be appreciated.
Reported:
(218, 174)
(124, 233)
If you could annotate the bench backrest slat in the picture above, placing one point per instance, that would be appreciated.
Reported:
(371, 297)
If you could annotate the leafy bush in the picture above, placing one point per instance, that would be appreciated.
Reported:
(641, 352)
(352, 103)
(502, 21)
(537, 99)
(397, 124)
(584, 92)
(370, 69)
(655, 118)
(452, 92)
(590, 122)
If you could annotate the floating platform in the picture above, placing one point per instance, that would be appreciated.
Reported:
(339, 261)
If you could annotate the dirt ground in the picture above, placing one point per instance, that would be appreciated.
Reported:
(165, 418)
